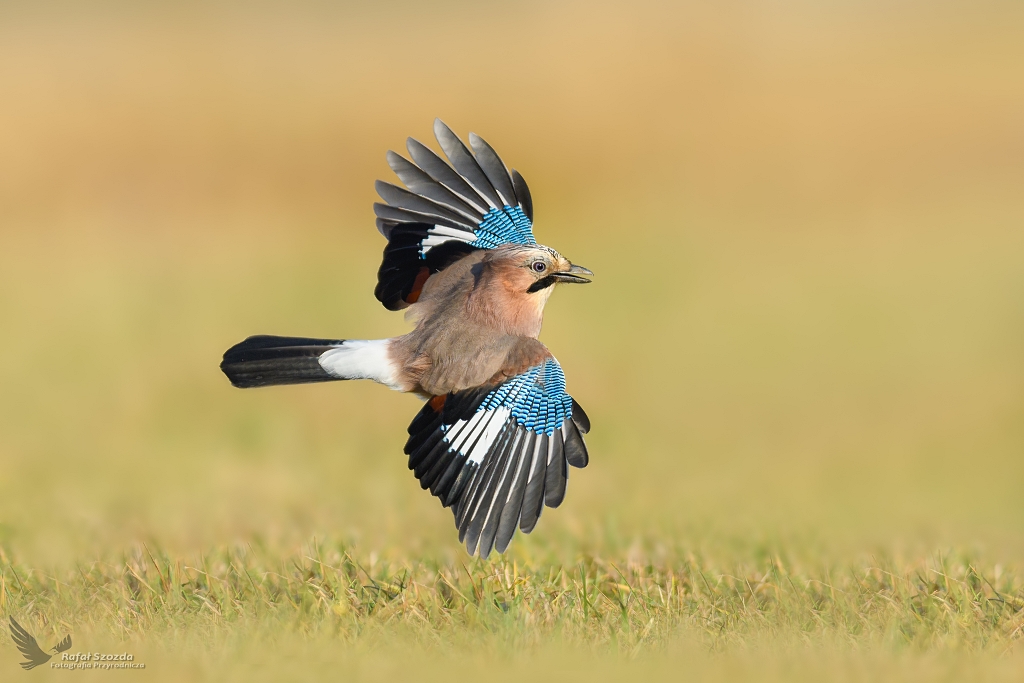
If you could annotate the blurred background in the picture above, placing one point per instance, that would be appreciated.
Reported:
(806, 221)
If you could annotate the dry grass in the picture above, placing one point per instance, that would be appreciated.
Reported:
(241, 599)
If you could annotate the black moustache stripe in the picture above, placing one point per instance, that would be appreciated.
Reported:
(542, 283)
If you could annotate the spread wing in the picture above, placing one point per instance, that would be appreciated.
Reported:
(63, 645)
(28, 646)
(449, 209)
(496, 455)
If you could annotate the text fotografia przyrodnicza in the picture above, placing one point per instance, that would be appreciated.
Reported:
(97, 660)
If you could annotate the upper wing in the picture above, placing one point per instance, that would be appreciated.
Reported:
(448, 210)
(498, 454)
(64, 644)
(28, 646)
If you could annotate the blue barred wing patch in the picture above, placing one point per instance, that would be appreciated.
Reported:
(508, 225)
(535, 398)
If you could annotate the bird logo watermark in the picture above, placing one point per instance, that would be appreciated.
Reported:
(34, 655)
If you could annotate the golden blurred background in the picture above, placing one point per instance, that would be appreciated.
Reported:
(806, 221)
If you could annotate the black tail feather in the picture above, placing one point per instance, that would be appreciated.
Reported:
(266, 360)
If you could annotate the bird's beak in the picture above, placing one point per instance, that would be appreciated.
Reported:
(577, 274)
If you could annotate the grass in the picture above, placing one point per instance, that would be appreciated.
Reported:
(802, 353)
(627, 606)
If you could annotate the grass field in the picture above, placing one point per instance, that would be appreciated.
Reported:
(803, 353)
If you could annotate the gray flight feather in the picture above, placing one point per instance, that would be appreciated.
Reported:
(461, 507)
(400, 198)
(465, 163)
(496, 505)
(533, 499)
(439, 170)
(572, 444)
(554, 488)
(514, 504)
(492, 165)
(385, 227)
(471, 498)
(422, 184)
(523, 194)
(396, 215)
(484, 492)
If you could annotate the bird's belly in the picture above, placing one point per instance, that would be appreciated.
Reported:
(447, 361)
(472, 367)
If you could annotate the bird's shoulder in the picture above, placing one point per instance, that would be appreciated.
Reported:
(521, 354)
(456, 280)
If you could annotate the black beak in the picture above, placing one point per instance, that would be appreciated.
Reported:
(577, 274)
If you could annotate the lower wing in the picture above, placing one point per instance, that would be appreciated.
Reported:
(497, 455)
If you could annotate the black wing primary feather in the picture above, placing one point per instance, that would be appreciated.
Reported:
(405, 268)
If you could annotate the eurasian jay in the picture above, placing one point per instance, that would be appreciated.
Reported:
(498, 430)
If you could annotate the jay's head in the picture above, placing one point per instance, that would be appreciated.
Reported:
(535, 269)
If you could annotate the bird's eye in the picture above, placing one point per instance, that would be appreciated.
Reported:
(539, 266)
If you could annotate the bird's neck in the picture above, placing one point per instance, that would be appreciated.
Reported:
(502, 303)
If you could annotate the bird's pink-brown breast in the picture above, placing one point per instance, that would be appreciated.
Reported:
(501, 301)
(475, 324)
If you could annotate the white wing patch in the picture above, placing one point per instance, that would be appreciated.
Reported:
(474, 437)
(439, 234)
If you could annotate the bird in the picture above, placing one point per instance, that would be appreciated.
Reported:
(498, 431)
(27, 645)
